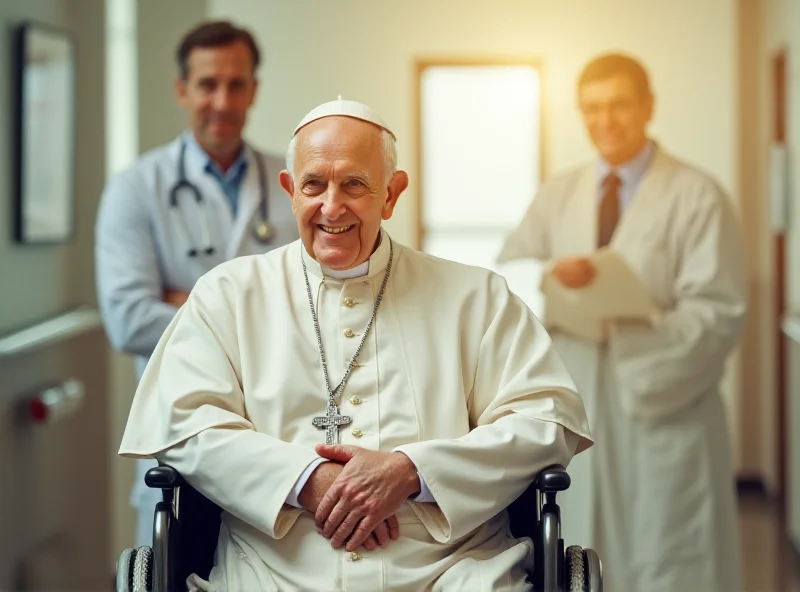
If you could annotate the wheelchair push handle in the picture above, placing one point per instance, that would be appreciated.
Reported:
(553, 479)
(163, 477)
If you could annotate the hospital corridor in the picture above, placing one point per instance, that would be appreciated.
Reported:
(442, 295)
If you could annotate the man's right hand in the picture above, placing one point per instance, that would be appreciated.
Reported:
(574, 272)
(317, 486)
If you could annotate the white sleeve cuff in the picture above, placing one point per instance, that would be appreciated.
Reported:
(424, 494)
(294, 494)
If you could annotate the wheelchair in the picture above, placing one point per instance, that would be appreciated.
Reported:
(186, 528)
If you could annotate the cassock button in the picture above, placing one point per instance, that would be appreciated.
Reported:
(355, 400)
(355, 556)
(357, 433)
(348, 333)
(349, 302)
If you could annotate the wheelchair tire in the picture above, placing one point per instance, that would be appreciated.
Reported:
(143, 570)
(124, 581)
(576, 570)
(594, 570)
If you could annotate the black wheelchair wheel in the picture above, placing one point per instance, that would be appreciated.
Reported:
(143, 570)
(576, 570)
(594, 570)
(124, 581)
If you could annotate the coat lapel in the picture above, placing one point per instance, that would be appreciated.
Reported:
(578, 228)
(249, 198)
(648, 199)
(214, 205)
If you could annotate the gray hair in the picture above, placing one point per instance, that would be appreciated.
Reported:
(388, 147)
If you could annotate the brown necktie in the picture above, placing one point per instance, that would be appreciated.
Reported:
(609, 210)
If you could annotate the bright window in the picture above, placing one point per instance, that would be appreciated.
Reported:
(480, 159)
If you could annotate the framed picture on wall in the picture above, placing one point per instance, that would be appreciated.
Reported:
(44, 140)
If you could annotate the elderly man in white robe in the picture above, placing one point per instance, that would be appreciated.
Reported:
(655, 497)
(362, 413)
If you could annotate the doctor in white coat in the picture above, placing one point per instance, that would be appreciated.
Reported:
(655, 496)
(183, 208)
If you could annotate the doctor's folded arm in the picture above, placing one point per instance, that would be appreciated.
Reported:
(185, 207)
(656, 494)
(372, 436)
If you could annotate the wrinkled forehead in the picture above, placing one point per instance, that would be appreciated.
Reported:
(617, 87)
(233, 60)
(341, 141)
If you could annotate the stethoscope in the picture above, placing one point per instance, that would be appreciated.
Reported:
(263, 231)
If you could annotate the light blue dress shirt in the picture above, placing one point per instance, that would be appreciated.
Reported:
(229, 181)
(630, 175)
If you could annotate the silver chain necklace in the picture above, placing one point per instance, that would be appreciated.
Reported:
(332, 419)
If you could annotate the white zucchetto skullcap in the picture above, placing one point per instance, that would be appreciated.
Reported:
(344, 108)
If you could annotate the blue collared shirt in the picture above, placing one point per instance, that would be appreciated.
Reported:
(229, 181)
(630, 175)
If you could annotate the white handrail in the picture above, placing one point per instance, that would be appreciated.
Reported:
(64, 326)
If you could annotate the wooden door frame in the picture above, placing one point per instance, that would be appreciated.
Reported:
(423, 64)
(779, 72)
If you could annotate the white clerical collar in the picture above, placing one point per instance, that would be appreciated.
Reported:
(347, 274)
(376, 264)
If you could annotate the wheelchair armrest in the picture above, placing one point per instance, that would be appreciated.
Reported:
(552, 479)
(163, 477)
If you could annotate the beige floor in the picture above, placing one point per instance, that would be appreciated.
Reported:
(768, 562)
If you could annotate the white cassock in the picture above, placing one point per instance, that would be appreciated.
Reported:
(655, 496)
(456, 372)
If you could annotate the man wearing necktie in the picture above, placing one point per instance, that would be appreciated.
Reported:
(655, 496)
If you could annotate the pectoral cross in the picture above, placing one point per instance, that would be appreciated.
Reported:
(331, 422)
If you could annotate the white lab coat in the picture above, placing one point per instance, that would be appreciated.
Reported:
(456, 373)
(655, 495)
(141, 251)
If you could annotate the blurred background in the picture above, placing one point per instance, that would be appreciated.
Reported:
(726, 77)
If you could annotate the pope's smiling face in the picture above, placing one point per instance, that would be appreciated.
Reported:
(340, 191)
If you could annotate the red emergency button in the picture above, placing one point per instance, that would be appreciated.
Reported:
(52, 404)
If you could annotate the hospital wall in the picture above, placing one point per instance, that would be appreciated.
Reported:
(762, 29)
(367, 50)
(53, 477)
(160, 27)
(768, 29)
(793, 265)
(780, 31)
(44, 277)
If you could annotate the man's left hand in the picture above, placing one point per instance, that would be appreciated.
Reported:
(371, 487)
(176, 298)
(575, 272)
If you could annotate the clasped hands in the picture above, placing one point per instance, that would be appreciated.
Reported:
(356, 495)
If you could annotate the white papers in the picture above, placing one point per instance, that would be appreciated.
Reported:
(616, 293)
